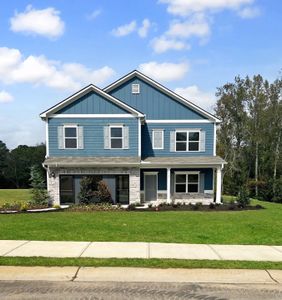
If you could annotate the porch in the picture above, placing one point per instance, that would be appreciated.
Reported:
(181, 180)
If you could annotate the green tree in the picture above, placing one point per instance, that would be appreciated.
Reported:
(39, 193)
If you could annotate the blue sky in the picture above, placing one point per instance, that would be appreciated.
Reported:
(50, 49)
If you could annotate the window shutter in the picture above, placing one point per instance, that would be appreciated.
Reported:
(203, 141)
(172, 141)
(80, 137)
(125, 137)
(202, 182)
(61, 137)
(106, 137)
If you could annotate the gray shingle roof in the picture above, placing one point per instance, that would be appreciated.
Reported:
(131, 161)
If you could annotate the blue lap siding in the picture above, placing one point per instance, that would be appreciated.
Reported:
(147, 149)
(93, 137)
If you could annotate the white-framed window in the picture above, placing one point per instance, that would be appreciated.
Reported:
(187, 140)
(116, 137)
(135, 88)
(187, 182)
(70, 137)
(158, 138)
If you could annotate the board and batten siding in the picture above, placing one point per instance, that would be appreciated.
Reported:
(93, 135)
(147, 146)
(206, 173)
(153, 103)
(92, 103)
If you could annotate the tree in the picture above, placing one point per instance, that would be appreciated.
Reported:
(39, 193)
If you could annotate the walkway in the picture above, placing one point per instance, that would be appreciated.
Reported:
(15, 248)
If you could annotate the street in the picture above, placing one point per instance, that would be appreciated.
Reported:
(127, 290)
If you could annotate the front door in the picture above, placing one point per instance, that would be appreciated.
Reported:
(150, 186)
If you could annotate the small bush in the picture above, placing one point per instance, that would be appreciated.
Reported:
(212, 205)
(243, 198)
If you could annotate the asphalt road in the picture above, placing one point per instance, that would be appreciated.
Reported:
(117, 290)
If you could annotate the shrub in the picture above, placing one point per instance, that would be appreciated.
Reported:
(39, 194)
(212, 205)
(243, 198)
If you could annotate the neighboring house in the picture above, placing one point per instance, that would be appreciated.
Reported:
(146, 142)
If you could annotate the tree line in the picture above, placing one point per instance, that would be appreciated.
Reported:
(15, 165)
(249, 137)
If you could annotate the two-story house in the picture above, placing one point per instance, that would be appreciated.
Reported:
(146, 142)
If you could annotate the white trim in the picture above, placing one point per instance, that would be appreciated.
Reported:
(179, 121)
(59, 116)
(168, 185)
(47, 138)
(186, 181)
(83, 92)
(208, 191)
(218, 185)
(139, 137)
(214, 139)
(116, 138)
(153, 139)
(187, 131)
(64, 137)
(157, 179)
(163, 89)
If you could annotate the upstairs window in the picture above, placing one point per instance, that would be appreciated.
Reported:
(116, 137)
(135, 88)
(187, 141)
(70, 137)
(158, 139)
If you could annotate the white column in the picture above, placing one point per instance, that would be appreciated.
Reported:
(168, 185)
(218, 185)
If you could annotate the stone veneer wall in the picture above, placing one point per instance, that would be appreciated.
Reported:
(54, 182)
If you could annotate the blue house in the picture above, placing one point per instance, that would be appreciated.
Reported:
(145, 142)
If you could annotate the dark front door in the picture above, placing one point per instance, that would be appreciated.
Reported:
(67, 191)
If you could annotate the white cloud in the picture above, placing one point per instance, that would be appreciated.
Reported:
(38, 70)
(45, 22)
(196, 26)
(124, 29)
(94, 14)
(187, 7)
(143, 30)
(193, 93)
(163, 44)
(5, 97)
(249, 12)
(164, 71)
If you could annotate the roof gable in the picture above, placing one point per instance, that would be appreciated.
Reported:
(68, 105)
(115, 87)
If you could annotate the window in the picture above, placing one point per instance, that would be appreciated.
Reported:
(116, 137)
(135, 88)
(158, 139)
(187, 182)
(187, 141)
(70, 137)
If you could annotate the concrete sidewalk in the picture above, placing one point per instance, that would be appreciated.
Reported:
(10, 248)
(115, 274)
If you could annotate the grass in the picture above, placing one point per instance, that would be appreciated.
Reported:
(14, 195)
(232, 227)
(144, 263)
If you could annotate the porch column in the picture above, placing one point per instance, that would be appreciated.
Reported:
(168, 185)
(218, 185)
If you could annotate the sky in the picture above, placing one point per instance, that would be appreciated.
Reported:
(50, 49)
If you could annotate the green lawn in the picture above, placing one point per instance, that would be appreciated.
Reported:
(13, 195)
(232, 227)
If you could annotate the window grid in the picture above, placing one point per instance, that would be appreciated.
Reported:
(188, 142)
(192, 184)
(113, 138)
